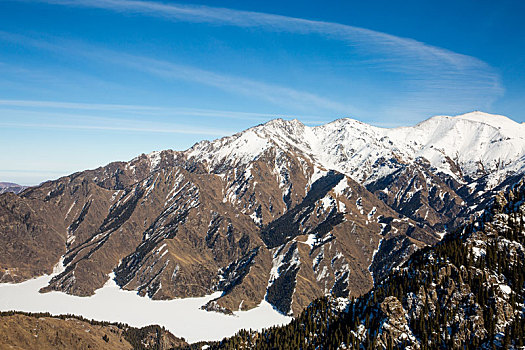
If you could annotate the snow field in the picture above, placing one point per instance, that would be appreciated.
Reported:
(182, 317)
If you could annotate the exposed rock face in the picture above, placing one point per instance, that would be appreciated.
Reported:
(32, 238)
(416, 192)
(394, 328)
(280, 211)
(466, 292)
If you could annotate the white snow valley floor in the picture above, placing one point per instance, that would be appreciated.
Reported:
(182, 317)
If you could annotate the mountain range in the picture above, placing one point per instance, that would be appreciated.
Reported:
(466, 292)
(280, 212)
(11, 187)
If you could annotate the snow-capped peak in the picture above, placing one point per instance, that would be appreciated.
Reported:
(477, 143)
(495, 120)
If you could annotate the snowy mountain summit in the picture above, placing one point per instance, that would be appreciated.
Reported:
(465, 147)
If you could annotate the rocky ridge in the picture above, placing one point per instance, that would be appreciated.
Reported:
(466, 292)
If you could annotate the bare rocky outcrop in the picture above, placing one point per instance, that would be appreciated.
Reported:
(394, 329)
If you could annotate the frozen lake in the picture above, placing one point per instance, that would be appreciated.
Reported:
(183, 317)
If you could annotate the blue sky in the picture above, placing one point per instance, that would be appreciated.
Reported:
(86, 82)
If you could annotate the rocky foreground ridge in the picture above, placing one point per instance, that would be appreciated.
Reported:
(43, 331)
(281, 211)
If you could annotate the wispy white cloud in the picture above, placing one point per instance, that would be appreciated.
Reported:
(276, 94)
(445, 68)
(76, 105)
(279, 95)
(139, 129)
(28, 114)
(430, 77)
(51, 115)
(39, 119)
(15, 106)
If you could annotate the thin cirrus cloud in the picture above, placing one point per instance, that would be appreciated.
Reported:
(34, 114)
(139, 129)
(72, 119)
(76, 105)
(279, 95)
(25, 106)
(424, 65)
(276, 94)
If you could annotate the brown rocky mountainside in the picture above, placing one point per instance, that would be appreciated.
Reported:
(42, 331)
(178, 231)
(255, 215)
